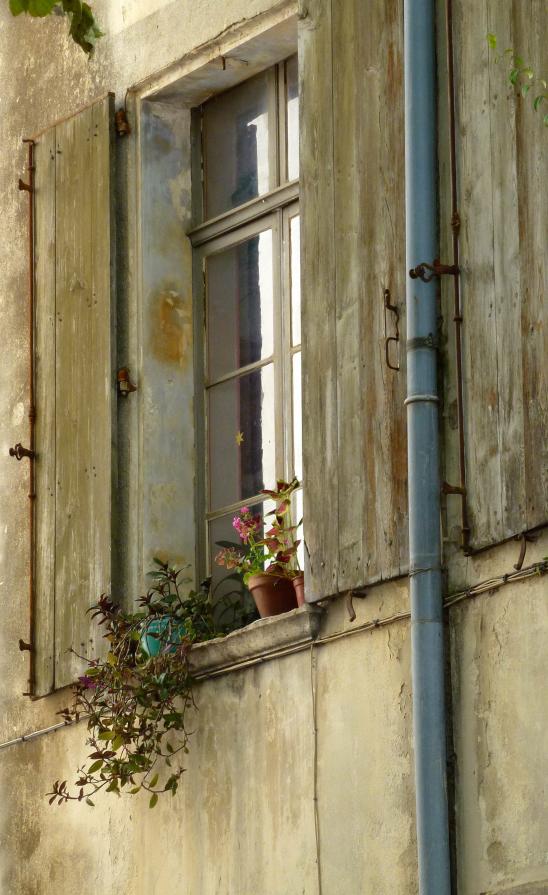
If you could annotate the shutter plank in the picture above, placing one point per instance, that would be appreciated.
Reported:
(356, 502)
(506, 272)
(533, 232)
(383, 267)
(44, 371)
(83, 381)
(320, 459)
(477, 262)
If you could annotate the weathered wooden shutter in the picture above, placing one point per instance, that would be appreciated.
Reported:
(353, 248)
(75, 397)
(502, 173)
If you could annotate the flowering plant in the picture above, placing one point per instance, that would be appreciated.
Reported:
(270, 552)
(136, 700)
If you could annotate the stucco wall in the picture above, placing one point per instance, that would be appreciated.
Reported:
(329, 726)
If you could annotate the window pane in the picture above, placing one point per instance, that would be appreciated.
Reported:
(238, 130)
(241, 437)
(298, 511)
(292, 100)
(297, 418)
(239, 305)
(295, 267)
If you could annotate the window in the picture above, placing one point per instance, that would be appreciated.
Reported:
(248, 330)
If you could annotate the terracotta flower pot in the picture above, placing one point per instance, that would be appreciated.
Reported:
(272, 595)
(298, 584)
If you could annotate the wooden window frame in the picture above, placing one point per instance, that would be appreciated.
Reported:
(273, 210)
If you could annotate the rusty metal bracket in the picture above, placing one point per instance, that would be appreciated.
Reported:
(24, 186)
(25, 646)
(122, 125)
(525, 539)
(446, 488)
(125, 385)
(388, 306)
(19, 452)
(437, 270)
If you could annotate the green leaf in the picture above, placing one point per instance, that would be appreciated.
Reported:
(18, 6)
(41, 8)
(154, 781)
(106, 735)
(513, 76)
(525, 89)
(95, 766)
(537, 101)
(153, 800)
(89, 802)
(492, 41)
(117, 742)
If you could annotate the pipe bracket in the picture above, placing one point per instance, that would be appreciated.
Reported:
(437, 269)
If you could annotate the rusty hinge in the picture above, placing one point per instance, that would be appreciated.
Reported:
(19, 452)
(122, 125)
(446, 488)
(388, 306)
(437, 270)
(24, 186)
(125, 385)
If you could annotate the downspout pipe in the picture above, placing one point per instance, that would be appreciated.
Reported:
(427, 637)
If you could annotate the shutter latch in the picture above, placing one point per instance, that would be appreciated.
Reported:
(19, 452)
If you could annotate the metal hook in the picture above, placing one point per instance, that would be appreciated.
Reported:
(388, 306)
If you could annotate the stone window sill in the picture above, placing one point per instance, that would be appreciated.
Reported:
(263, 639)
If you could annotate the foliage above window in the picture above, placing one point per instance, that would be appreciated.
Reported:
(83, 27)
(521, 76)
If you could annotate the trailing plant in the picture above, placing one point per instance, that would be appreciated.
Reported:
(521, 76)
(264, 550)
(83, 28)
(136, 700)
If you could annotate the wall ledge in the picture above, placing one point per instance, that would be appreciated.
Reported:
(261, 640)
(538, 888)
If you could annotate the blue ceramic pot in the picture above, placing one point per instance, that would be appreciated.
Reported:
(161, 635)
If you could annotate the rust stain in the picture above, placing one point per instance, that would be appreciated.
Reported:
(171, 328)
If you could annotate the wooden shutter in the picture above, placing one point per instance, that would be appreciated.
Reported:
(353, 248)
(75, 382)
(503, 171)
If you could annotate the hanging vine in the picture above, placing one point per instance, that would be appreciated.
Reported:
(522, 77)
(83, 28)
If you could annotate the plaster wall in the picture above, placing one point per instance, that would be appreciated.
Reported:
(301, 768)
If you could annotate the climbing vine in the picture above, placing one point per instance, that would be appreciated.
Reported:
(83, 28)
(521, 76)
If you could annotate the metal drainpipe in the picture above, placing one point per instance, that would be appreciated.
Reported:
(423, 452)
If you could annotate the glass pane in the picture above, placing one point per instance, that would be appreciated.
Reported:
(298, 505)
(295, 268)
(241, 437)
(238, 128)
(240, 305)
(292, 100)
(297, 418)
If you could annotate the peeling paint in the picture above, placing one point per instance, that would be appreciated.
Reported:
(171, 328)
